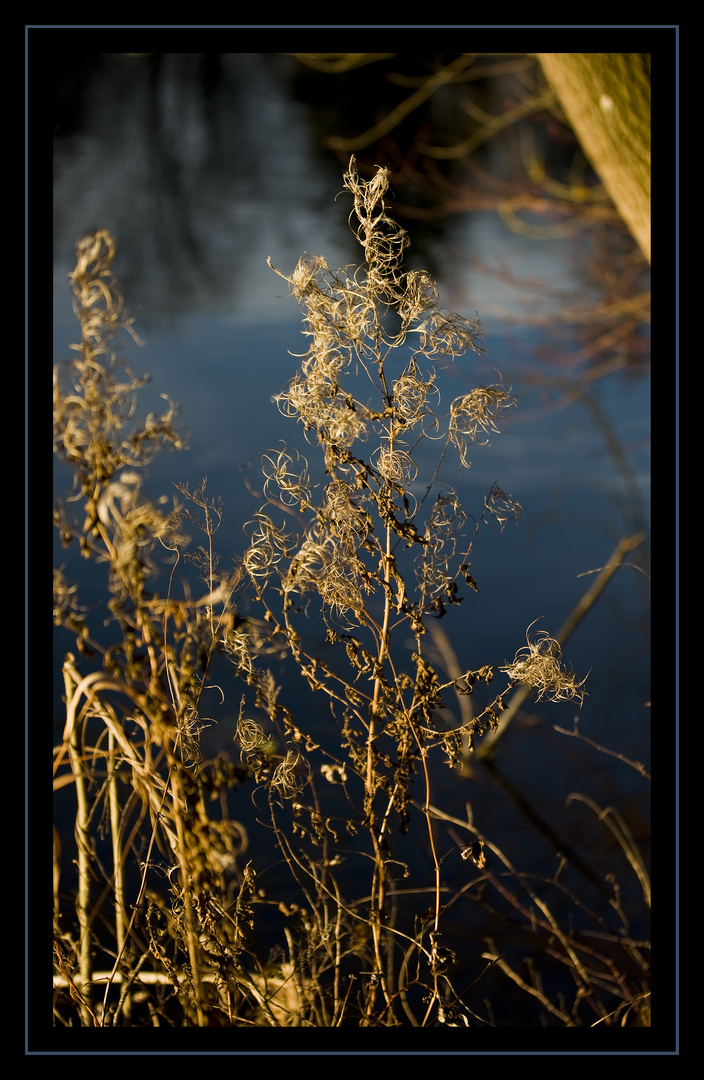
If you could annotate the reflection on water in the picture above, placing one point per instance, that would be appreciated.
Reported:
(201, 167)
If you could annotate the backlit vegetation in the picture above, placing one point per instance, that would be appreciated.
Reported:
(173, 918)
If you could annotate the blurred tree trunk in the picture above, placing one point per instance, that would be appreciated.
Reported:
(606, 98)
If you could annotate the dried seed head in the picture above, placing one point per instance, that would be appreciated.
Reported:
(290, 775)
(501, 506)
(395, 465)
(476, 412)
(411, 394)
(286, 477)
(537, 664)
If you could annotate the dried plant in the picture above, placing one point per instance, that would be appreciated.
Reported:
(358, 545)
(367, 404)
(537, 665)
(135, 715)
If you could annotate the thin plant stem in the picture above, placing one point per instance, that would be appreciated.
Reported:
(84, 858)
